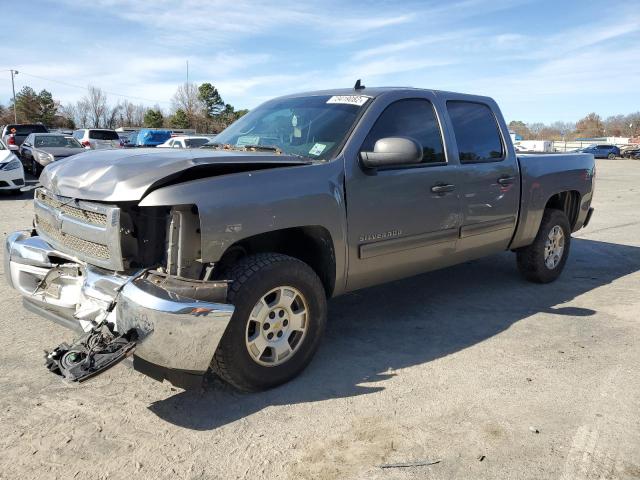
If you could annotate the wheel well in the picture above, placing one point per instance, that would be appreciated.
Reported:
(568, 202)
(311, 244)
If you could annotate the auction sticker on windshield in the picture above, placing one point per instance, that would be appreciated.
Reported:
(358, 100)
(317, 149)
(248, 140)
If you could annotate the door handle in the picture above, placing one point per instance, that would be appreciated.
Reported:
(506, 180)
(443, 188)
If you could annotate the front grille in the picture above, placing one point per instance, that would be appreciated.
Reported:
(75, 244)
(88, 231)
(93, 218)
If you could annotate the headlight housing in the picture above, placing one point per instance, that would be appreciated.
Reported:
(12, 165)
(43, 157)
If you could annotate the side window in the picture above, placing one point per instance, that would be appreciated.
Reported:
(414, 118)
(476, 131)
(78, 134)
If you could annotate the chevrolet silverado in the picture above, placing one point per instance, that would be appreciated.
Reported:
(225, 257)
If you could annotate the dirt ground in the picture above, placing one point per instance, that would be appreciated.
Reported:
(461, 365)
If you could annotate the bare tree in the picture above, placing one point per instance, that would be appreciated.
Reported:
(70, 112)
(110, 115)
(187, 99)
(96, 99)
(590, 126)
(81, 111)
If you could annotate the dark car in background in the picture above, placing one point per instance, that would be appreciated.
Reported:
(14, 134)
(40, 149)
(602, 151)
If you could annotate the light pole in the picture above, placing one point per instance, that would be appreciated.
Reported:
(13, 87)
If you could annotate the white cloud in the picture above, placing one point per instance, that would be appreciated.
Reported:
(256, 50)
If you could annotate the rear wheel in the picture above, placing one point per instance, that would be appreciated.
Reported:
(544, 260)
(279, 318)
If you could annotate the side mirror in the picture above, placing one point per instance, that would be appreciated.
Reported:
(392, 151)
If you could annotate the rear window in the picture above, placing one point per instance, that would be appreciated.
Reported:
(476, 131)
(26, 129)
(103, 135)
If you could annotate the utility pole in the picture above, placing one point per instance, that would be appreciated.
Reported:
(15, 113)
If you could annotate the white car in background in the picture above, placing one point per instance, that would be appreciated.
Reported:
(185, 141)
(97, 138)
(11, 171)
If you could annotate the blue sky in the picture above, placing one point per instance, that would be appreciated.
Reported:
(541, 60)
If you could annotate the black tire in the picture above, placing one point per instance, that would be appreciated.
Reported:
(531, 259)
(611, 156)
(35, 168)
(253, 277)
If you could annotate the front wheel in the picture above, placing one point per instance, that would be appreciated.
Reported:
(611, 156)
(279, 318)
(544, 260)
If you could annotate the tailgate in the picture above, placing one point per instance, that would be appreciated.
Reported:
(106, 143)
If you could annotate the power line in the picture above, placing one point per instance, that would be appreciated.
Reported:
(86, 88)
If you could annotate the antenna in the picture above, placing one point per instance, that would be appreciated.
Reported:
(358, 85)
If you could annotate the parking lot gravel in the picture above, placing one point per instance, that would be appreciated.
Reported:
(472, 366)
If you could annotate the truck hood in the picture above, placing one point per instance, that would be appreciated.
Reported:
(127, 175)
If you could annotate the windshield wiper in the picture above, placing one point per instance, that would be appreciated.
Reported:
(268, 148)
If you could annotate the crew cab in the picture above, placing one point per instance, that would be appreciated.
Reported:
(225, 257)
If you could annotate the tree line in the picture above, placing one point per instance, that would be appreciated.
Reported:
(590, 126)
(199, 107)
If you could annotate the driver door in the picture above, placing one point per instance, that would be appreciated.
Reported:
(402, 220)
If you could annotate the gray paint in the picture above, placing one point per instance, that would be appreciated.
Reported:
(384, 224)
(127, 174)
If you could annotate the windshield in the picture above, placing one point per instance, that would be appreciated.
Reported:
(312, 127)
(56, 141)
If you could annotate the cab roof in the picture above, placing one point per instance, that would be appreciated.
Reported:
(374, 92)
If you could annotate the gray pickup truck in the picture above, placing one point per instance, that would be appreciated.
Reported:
(224, 257)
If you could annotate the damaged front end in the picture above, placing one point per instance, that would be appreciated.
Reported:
(92, 353)
(145, 313)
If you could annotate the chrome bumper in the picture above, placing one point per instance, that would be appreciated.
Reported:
(175, 332)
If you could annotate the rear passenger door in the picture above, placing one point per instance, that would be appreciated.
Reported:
(490, 180)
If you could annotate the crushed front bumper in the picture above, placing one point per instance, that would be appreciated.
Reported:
(175, 334)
